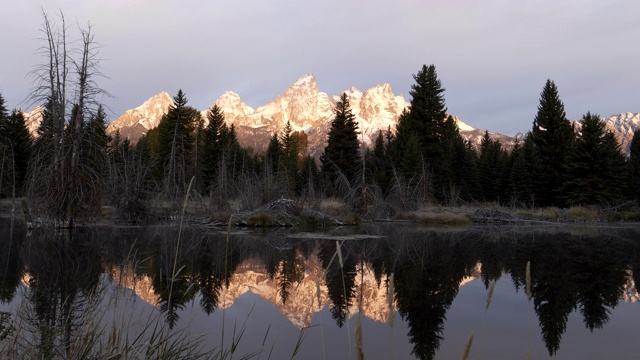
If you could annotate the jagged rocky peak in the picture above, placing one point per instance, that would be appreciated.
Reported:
(308, 81)
(302, 104)
(380, 102)
(157, 102)
(136, 122)
(234, 109)
(232, 100)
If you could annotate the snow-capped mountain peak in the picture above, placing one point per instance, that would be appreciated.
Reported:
(232, 106)
(308, 80)
(137, 122)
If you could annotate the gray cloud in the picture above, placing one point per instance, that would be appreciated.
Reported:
(493, 57)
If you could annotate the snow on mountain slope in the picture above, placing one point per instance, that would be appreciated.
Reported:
(136, 122)
(234, 109)
(623, 126)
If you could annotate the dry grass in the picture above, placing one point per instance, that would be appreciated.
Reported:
(528, 280)
(551, 214)
(260, 219)
(467, 349)
(437, 218)
(490, 295)
(334, 206)
(586, 214)
(630, 215)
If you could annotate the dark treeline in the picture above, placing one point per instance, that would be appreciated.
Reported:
(72, 168)
(569, 272)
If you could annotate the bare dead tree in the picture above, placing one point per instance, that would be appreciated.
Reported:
(63, 182)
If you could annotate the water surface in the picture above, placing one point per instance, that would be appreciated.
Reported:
(417, 292)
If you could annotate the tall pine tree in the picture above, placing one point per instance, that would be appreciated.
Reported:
(175, 145)
(214, 141)
(290, 155)
(552, 134)
(341, 157)
(427, 121)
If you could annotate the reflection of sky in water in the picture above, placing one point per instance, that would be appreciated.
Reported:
(503, 332)
(378, 339)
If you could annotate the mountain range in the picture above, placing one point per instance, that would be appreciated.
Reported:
(311, 110)
(303, 105)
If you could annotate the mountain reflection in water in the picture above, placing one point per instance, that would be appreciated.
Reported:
(585, 271)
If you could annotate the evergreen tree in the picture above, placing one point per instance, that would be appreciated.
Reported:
(397, 143)
(290, 155)
(3, 112)
(465, 169)
(214, 141)
(428, 116)
(174, 157)
(236, 160)
(274, 155)
(95, 149)
(341, 156)
(411, 163)
(461, 170)
(490, 167)
(516, 167)
(523, 176)
(633, 165)
(595, 170)
(428, 111)
(378, 163)
(552, 134)
(5, 147)
(309, 177)
(97, 140)
(15, 147)
(427, 121)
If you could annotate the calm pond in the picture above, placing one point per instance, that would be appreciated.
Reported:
(411, 291)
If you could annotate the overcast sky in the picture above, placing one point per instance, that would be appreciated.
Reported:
(493, 57)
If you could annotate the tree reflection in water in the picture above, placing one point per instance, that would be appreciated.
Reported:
(64, 271)
(586, 272)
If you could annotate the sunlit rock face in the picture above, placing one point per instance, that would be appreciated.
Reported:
(623, 126)
(137, 122)
(33, 119)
